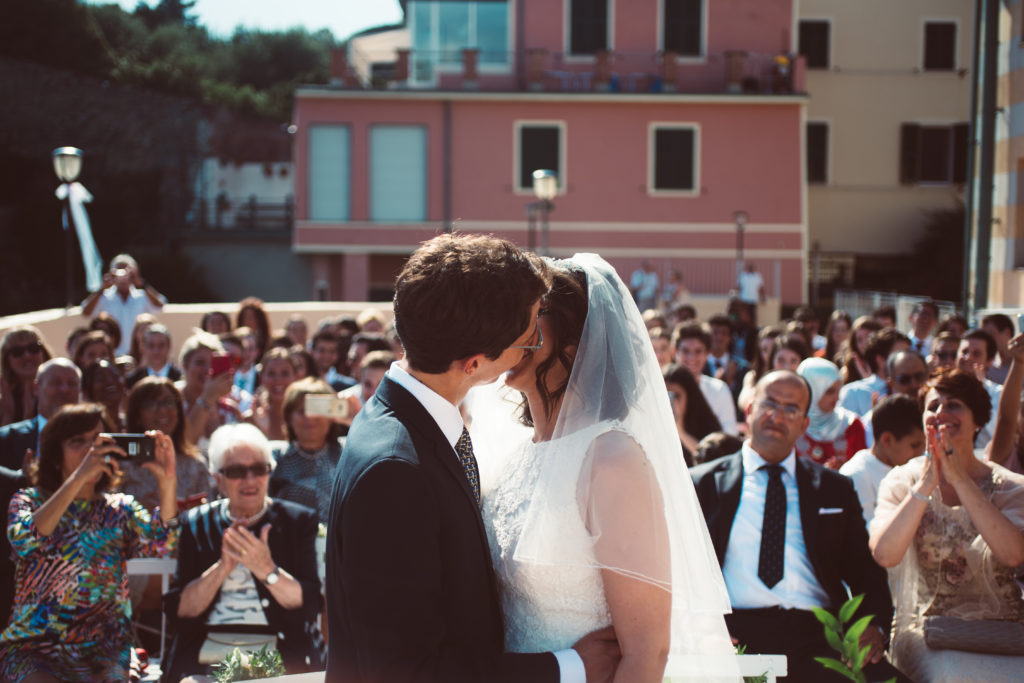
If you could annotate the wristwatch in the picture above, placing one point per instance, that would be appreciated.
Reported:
(273, 577)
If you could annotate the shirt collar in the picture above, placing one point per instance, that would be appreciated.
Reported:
(445, 414)
(752, 461)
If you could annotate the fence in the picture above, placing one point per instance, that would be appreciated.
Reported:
(862, 302)
(247, 214)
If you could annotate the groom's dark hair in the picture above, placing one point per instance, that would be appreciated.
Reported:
(459, 295)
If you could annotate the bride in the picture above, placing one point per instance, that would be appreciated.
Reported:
(591, 517)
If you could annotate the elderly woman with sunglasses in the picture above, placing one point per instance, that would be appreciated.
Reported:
(247, 571)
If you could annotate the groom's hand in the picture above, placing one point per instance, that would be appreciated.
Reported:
(600, 654)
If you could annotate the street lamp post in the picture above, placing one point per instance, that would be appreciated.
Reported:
(741, 222)
(545, 188)
(67, 164)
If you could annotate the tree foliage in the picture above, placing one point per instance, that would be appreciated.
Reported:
(163, 47)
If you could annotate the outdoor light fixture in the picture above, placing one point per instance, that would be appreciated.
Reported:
(545, 188)
(67, 163)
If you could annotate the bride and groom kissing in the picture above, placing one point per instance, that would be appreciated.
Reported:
(588, 558)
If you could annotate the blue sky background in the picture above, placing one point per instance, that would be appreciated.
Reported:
(342, 17)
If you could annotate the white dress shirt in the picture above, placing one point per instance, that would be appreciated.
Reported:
(799, 587)
(720, 400)
(162, 372)
(449, 420)
(125, 311)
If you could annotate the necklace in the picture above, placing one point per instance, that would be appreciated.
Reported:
(247, 521)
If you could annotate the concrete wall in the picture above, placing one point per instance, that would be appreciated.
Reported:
(269, 270)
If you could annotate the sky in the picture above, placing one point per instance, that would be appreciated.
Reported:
(342, 17)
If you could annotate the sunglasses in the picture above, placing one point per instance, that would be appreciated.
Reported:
(260, 469)
(946, 355)
(915, 377)
(22, 349)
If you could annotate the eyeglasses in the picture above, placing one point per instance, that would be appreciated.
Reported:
(260, 469)
(22, 349)
(533, 347)
(166, 404)
(907, 378)
(790, 412)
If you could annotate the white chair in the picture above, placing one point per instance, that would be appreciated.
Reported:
(165, 568)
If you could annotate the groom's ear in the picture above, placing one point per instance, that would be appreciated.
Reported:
(468, 365)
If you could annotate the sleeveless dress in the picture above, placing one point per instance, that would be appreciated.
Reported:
(546, 608)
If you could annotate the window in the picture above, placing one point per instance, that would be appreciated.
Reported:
(939, 46)
(815, 43)
(441, 29)
(588, 26)
(328, 173)
(673, 158)
(683, 27)
(933, 154)
(817, 152)
(540, 146)
(398, 173)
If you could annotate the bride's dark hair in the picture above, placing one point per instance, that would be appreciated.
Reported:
(565, 304)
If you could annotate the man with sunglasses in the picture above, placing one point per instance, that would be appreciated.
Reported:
(58, 383)
(789, 534)
(411, 592)
(906, 372)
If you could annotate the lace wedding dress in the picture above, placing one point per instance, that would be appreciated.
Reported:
(546, 607)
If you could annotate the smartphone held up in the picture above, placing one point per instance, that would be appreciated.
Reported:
(327, 405)
(137, 447)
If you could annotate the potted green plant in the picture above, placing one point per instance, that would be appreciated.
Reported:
(244, 666)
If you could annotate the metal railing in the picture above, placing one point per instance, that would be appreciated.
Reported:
(246, 214)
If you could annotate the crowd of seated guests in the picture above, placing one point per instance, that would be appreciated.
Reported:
(913, 427)
(243, 474)
(926, 425)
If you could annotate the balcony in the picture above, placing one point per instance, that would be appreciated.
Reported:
(540, 70)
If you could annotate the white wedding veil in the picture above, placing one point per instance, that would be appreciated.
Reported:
(633, 485)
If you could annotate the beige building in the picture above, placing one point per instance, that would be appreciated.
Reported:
(1006, 265)
(889, 86)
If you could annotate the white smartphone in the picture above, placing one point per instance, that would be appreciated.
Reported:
(328, 405)
(1020, 323)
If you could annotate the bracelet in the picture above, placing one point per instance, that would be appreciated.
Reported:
(920, 496)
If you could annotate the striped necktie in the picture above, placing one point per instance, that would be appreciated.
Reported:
(464, 449)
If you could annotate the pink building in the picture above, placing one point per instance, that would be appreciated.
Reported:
(662, 119)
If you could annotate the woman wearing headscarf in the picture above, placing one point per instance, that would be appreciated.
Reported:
(834, 433)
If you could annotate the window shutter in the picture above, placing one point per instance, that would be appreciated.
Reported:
(910, 152)
(961, 145)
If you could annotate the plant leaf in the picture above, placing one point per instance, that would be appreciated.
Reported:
(858, 662)
(826, 617)
(833, 640)
(854, 633)
(847, 611)
(837, 666)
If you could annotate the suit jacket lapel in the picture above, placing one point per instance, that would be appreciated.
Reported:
(807, 483)
(729, 483)
(417, 418)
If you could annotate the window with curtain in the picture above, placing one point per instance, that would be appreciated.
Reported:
(398, 173)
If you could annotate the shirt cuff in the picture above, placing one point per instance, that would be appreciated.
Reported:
(570, 667)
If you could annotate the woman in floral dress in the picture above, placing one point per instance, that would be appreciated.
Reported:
(71, 539)
(952, 525)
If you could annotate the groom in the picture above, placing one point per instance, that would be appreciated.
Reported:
(411, 593)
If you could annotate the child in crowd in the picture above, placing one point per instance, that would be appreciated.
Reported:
(899, 437)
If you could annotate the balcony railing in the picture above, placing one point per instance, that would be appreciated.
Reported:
(542, 70)
(245, 214)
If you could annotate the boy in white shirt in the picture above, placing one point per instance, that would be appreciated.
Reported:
(899, 437)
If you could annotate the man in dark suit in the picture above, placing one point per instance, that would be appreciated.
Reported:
(10, 482)
(411, 593)
(156, 357)
(789, 534)
(58, 383)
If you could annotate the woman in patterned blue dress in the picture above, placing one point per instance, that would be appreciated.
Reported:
(71, 538)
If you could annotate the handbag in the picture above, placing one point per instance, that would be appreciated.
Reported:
(990, 636)
(218, 645)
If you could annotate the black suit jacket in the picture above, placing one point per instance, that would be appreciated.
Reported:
(292, 542)
(139, 374)
(10, 482)
(15, 438)
(411, 594)
(837, 542)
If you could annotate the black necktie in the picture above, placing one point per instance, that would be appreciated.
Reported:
(773, 529)
(464, 449)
